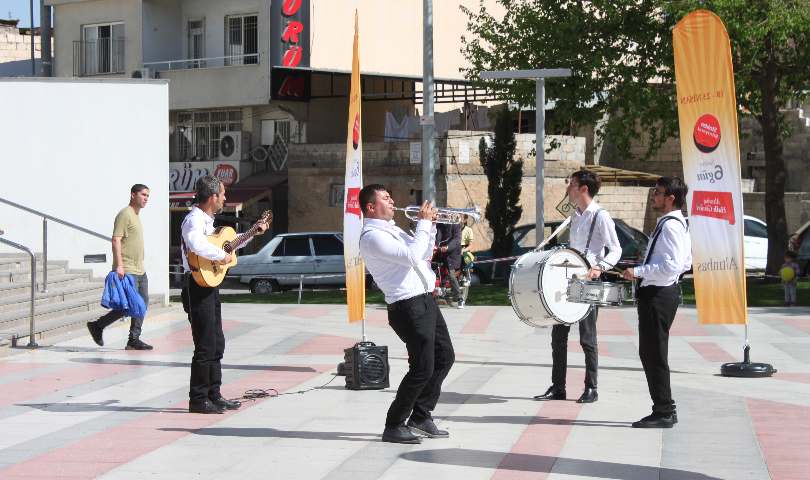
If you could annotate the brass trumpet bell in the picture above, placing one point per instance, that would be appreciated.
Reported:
(451, 216)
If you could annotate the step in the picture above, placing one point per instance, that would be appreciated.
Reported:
(24, 274)
(16, 263)
(54, 283)
(48, 312)
(76, 322)
(54, 295)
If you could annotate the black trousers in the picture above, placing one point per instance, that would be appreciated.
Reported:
(135, 325)
(656, 312)
(453, 280)
(209, 342)
(559, 350)
(418, 322)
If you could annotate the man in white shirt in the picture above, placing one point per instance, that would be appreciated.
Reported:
(204, 305)
(668, 256)
(591, 230)
(400, 264)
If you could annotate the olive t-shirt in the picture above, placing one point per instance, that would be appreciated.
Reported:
(128, 227)
(466, 236)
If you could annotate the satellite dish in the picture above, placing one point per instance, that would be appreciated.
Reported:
(227, 145)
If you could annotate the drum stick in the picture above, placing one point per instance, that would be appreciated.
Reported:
(562, 225)
(614, 269)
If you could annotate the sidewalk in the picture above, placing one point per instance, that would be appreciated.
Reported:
(74, 410)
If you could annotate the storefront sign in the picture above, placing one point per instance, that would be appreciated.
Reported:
(183, 175)
(292, 47)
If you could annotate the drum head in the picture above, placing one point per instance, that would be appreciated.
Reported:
(557, 268)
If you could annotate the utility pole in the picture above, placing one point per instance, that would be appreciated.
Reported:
(540, 105)
(45, 64)
(33, 64)
(428, 126)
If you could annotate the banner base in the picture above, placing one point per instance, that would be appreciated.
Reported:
(746, 368)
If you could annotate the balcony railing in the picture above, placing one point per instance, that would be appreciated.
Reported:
(210, 62)
(97, 57)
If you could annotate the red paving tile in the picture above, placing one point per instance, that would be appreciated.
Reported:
(612, 323)
(604, 349)
(802, 324)
(480, 321)
(34, 387)
(712, 352)
(684, 327)
(112, 448)
(174, 341)
(324, 345)
(377, 318)
(793, 377)
(783, 431)
(534, 453)
(311, 312)
(9, 368)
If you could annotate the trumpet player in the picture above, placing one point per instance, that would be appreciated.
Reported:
(400, 265)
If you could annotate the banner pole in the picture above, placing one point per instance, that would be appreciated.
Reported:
(364, 330)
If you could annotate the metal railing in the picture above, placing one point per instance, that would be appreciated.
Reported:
(45, 218)
(99, 56)
(209, 62)
(32, 338)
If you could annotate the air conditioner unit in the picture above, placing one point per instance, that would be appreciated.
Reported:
(143, 73)
(234, 145)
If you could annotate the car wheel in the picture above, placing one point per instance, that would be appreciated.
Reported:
(264, 285)
(477, 277)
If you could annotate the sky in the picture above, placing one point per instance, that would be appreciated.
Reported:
(20, 10)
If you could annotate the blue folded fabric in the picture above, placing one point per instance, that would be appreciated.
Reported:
(122, 295)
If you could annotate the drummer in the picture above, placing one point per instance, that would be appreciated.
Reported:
(592, 229)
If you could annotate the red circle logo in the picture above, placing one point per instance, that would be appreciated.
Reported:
(226, 174)
(707, 133)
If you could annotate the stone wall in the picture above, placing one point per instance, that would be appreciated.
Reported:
(797, 208)
(15, 47)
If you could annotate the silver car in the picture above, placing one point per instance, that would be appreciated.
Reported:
(289, 256)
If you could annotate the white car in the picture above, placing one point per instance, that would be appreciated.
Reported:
(291, 255)
(756, 243)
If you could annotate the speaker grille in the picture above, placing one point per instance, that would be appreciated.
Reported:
(373, 369)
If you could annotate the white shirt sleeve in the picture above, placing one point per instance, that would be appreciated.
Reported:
(412, 253)
(195, 238)
(607, 230)
(669, 255)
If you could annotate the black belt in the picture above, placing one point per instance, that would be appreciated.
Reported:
(402, 304)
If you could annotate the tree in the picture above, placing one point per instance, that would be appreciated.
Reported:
(504, 174)
(622, 62)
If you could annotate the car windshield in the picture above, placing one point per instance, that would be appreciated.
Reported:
(636, 235)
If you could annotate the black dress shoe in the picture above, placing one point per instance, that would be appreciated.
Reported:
(96, 332)
(656, 421)
(553, 393)
(428, 428)
(137, 345)
(400, 434)
(230, 405)
(588, 396)
(207, 407)
(674, 418)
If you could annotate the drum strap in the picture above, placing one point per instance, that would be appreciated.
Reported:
(590, 234)
(656, 234)
(415, 269)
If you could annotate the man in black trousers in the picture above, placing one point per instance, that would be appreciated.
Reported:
(204, 305)
(668, 256)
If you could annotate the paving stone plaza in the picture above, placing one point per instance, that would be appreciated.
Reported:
(74, 410)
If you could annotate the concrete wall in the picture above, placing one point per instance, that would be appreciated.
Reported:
(797, 208)
(78, 163)
(166, 32)
(15, 47)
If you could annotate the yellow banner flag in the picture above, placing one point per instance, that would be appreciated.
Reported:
(352, 215)
(707, 111)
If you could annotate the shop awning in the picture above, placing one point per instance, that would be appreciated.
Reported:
(237, 196)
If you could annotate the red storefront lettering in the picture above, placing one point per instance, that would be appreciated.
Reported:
(290, 7)
(292, 31)
(292, 86)
(292, 57)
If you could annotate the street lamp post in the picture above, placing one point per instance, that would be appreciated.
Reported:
(539, 75)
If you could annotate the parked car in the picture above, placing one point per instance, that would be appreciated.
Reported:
(800, 243)
(632, 240)
(756, 243)
(292, 255)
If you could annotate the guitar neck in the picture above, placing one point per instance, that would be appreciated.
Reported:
(241, 238)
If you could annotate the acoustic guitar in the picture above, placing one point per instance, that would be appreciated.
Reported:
(210, 273)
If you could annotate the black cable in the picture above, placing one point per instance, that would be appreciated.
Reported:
(256, 393)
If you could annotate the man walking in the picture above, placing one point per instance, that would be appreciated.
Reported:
(448, 239)
(669, 255)
(400, 265)
(592, 230)
(128, 253)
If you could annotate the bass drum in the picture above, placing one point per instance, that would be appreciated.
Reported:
(538, 287)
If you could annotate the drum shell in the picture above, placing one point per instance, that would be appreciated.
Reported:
(603, 294)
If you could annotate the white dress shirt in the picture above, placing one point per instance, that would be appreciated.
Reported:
(604, 235)
(390, 255)
(196, 226)
(671, 256)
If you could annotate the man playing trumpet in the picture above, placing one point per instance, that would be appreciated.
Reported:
(400, 264)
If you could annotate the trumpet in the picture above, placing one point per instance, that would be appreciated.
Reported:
(444, 215)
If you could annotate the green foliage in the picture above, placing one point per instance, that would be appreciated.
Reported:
(504, 174)
(620, 53)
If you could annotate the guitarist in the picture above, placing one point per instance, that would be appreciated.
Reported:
(205, 309)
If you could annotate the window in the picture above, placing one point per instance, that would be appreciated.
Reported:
(196, 42)
(336, 196)
(327, 246)
(100, 51)
(242, 39)
(755, 229)
(199, 132)
(293, 247)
